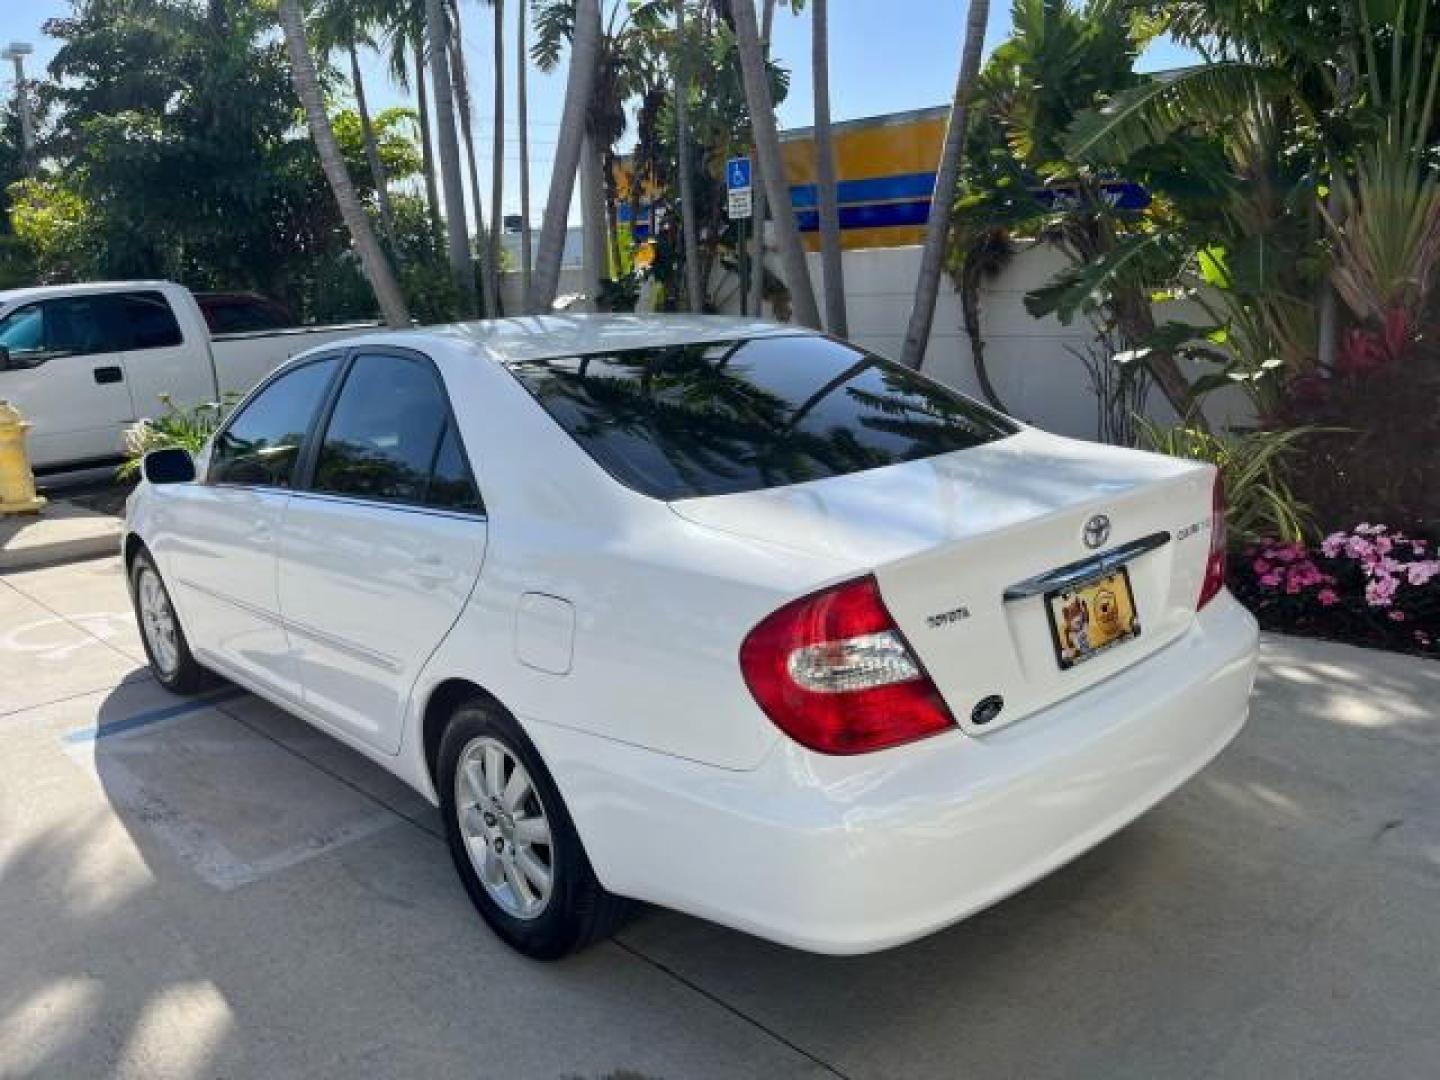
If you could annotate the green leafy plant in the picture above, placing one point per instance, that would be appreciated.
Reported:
(186, 428)
(1255, 467)
(1387, 237)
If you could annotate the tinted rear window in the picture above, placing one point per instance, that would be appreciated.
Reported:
(692, 420)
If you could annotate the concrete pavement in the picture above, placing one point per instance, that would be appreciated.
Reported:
(210, 888)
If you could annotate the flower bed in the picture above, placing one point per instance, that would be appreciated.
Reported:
(1369, 586)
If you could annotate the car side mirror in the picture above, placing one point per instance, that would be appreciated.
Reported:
(172, 465)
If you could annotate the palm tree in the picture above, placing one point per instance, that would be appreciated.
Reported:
(345, 25)
(404, 29)
(522, 107)
(307, 88)
(460, 73)
(497, 163)
(584, 52)
(457, 242)
(757, 233)
(767, 147)
(694, 288)
(937, 227)
(830, 261)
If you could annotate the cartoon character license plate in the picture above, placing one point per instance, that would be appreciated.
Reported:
(1092, 617)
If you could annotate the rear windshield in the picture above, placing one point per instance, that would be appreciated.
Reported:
(683, 421)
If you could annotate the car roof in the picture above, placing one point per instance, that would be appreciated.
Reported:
(42, 292)
(543, 337)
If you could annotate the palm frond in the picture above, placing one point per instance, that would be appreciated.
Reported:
(1147, 115)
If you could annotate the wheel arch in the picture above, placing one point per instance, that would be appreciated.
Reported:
(448, 695)
(132, 547)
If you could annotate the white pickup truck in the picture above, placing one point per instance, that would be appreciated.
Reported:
(83, 362)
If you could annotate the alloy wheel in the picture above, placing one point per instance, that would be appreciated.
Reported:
(506, 830)
(157, 622)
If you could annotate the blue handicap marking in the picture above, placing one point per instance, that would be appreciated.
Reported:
(737, 173)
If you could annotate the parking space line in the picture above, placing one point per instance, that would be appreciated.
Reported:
(332, 774)
(150, 716)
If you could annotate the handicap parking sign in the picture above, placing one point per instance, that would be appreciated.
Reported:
(737, 174)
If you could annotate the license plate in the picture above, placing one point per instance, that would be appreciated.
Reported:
(1092, 617)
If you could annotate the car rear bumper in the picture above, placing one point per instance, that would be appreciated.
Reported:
(850, 855)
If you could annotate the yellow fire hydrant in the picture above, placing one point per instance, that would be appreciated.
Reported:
(17, 482)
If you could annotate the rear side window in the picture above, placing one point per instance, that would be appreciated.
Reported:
(390, 439)
(262, 443)
(451, 485)
(693, 420)
(243, 314)
(148, 318)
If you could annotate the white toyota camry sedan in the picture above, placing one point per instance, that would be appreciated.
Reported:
(715, 614)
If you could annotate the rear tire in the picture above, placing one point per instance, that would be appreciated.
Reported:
(512, 839)
(165, 645)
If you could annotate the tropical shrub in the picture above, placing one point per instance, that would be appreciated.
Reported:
(1367, 585)
(187, 428)
(1255, 467)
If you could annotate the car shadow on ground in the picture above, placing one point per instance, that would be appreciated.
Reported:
(243, 895)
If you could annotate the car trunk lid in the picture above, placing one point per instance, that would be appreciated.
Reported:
(965, 547)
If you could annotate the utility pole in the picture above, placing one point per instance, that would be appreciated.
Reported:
(17, 51)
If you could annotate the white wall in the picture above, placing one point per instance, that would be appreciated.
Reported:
(1030, 366)
(512, 287)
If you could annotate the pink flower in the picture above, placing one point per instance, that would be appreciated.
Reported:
(1380, 592)
(1327, 597)
(1357, 547)
(1261, 566)
(1333, 544)
(1419, 573)
(1395, 615)
(1271, 579)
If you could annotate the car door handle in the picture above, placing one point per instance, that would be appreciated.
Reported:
(430, 570)
(110, 374)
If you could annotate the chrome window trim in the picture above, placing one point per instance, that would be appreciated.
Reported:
(381, 504)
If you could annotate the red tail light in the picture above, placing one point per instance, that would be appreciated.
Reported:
(833, 671)
(1215, 564)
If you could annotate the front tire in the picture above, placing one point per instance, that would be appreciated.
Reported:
(513, 842)
(165, 645)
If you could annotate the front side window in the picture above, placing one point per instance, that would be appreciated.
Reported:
(390, 439)
(67, 326)
(149, 320)
(686, 421)
(262, 443)
(22, 333)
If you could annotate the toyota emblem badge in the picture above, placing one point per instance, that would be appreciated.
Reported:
(1097, 531)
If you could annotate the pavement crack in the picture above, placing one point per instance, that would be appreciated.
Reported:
(1389, 826)
(133, 678)
(733, 1010)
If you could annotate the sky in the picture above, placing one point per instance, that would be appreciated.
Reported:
(885, 56)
